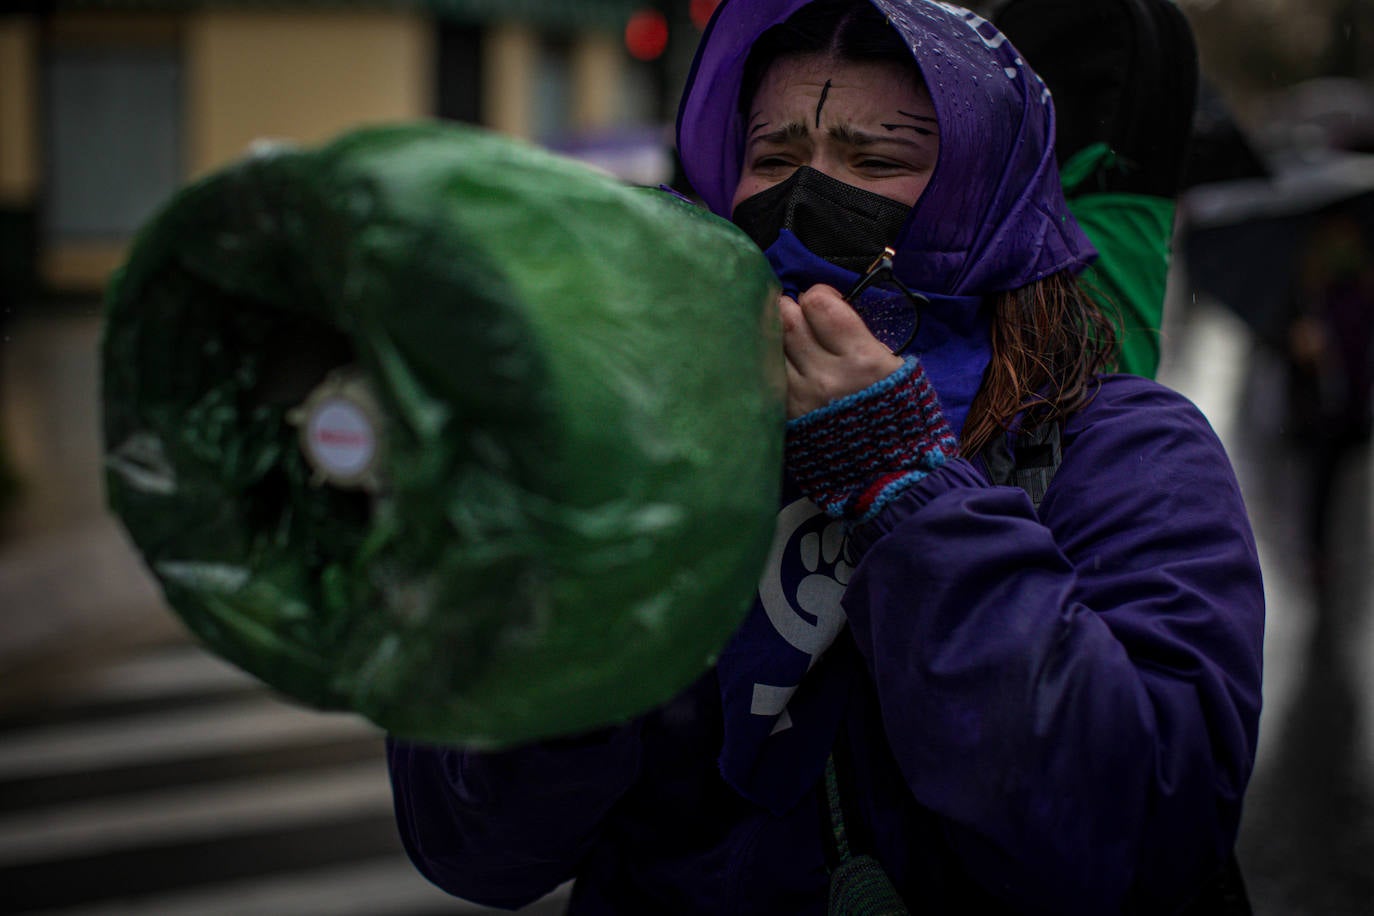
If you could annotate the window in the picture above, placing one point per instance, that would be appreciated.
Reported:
(113, 139)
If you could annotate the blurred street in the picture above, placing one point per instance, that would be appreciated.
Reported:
(140, 775)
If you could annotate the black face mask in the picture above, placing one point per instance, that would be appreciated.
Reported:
(843, 224)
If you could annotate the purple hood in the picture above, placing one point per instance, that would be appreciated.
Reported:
(979, 83)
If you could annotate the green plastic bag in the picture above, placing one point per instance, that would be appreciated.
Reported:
(439, 427)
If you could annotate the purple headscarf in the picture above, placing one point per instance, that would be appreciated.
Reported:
(993, 217)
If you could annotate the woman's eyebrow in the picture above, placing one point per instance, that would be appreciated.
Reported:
(851, 137)
(795, 130)
(923, 131)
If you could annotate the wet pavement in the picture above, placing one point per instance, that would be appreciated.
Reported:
(1307, 838)
(137, 774)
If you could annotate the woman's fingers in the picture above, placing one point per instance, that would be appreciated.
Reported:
(797, 339)
(832, 322)
(830, 351)
(820, 320)
(798, 401)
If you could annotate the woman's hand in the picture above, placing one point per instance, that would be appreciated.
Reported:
(863, 424)
(830, 351)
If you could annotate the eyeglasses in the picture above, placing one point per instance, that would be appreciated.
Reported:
(893, 318)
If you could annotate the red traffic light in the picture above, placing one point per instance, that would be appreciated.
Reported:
(646, 35)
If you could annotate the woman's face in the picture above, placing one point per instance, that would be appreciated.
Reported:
(870, 125)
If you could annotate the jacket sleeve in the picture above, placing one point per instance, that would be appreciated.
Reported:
(1077, 693)
(504, 829)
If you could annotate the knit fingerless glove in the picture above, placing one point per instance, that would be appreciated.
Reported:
(855, 455)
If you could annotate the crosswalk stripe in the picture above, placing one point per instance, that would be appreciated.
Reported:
(165, 676)
(364, 889)
(172, 671)
(187, 814)
(256, 722)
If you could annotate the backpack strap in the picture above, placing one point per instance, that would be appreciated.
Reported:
(1027, 459)
(848, 835)
(858, 884)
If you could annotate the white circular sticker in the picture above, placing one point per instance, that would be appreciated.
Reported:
(341, 439)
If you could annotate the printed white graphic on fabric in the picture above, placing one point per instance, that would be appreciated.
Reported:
(981, 27)
(809, 541)
(989, 35)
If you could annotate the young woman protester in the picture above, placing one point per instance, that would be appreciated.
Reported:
(1006, 654)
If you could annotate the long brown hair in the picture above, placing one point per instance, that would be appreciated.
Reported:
(1049, 341)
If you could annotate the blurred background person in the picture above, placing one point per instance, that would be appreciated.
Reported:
(1331, 363)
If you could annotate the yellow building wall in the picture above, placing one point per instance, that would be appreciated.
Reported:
(19, 170)
(511, 60)
(299, 76)
(304, 76)
(598, 71)
(510, 56)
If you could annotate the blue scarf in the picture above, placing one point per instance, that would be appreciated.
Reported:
(782, 706)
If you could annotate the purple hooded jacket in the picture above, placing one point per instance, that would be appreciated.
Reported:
(1049, 711)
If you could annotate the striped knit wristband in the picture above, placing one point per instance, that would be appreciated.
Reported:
(853, 456)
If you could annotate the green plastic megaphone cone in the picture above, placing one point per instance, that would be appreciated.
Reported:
(438, 427)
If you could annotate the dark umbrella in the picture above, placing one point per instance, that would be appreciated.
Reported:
(1218, 149)
(1243, 240)
(1331, 112)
